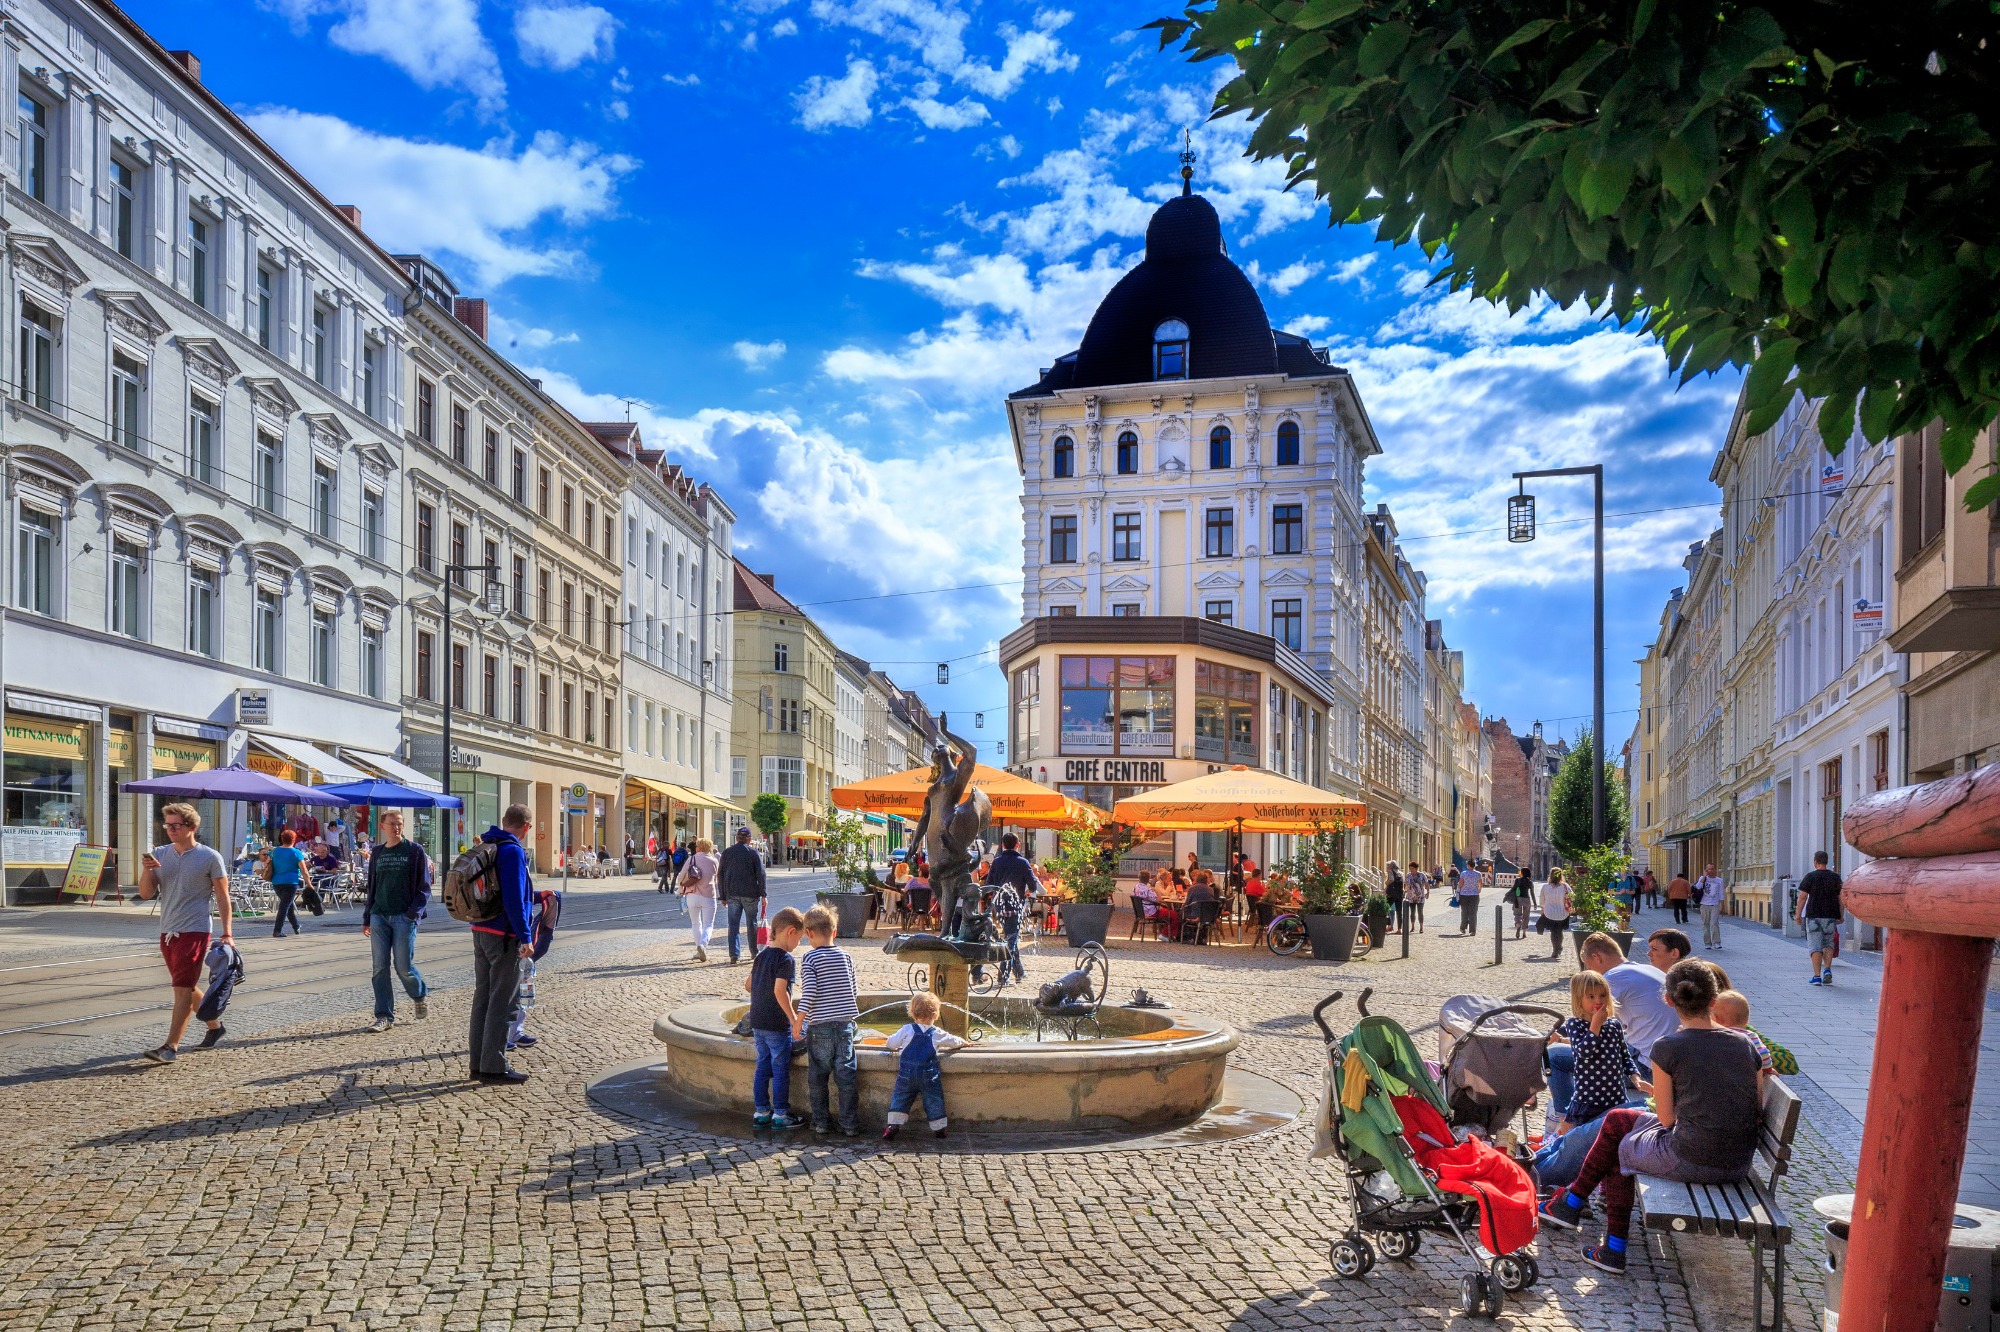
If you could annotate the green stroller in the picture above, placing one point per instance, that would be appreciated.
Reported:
(1381, 1099)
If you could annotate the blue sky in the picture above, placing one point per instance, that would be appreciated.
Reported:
(819, 240)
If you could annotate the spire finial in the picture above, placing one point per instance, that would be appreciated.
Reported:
(1187, 163)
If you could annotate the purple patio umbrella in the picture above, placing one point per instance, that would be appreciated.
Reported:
(234, 782)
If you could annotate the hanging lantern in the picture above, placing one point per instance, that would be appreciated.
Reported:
(978, 721)
(1521, 516)
(944, 672)
(496, 596)
(1000, 748)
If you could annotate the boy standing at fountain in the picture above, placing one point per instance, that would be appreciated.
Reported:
(921, 1042)
(829, 1005)
(773, 1020)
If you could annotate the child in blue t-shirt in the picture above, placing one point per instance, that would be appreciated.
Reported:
(918, 1073)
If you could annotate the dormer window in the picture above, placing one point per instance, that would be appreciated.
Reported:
(1170, 350)
(1065, 457)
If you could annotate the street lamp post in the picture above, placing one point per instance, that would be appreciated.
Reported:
(494, 602)
(1520, 528)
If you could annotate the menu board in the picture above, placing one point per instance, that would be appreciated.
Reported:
(86, 868)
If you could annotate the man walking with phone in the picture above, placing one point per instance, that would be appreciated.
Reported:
(186, 876)
(1709, 894)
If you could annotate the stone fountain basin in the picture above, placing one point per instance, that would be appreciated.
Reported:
(1153, 1068)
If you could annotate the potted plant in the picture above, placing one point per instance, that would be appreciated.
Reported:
(853, 871)
(1323, 880)
(1592, 907)
(1084, 870)
(1375, 914)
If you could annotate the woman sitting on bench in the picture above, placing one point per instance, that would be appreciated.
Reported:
(1707, 1094)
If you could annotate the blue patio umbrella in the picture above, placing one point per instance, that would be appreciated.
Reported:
(376, 791)
(232, 782)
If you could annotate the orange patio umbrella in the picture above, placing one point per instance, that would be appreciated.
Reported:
(1243, 799)
(1016, 800)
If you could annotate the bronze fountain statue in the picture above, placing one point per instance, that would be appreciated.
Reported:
(954, 813)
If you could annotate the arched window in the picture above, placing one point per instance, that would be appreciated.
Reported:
(1288, 443)
(1170, 350)
(1128, 453)
(1218, 447)
(1065, 460)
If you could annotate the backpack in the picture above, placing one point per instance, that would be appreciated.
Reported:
(472, 886)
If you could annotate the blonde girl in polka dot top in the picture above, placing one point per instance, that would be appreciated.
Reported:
(1604, 1066)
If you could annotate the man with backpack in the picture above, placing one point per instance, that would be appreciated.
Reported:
(399, 888)
(488, 888)
(739, 876)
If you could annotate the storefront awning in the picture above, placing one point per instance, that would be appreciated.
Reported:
(1689, 834)
(395, 770)
(875, 819)
(330, 770)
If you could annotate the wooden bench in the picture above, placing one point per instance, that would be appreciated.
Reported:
(1747, 1210)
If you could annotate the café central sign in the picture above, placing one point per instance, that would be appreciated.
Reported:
(1115, 770)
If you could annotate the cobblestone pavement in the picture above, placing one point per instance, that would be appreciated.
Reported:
(309, 1176)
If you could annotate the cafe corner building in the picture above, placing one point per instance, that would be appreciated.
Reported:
(1103, 707)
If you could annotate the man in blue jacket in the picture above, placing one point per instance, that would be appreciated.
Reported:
(499, 946)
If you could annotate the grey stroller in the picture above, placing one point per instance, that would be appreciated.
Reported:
(1492, 1056)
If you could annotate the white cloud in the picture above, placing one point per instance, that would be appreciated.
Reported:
(438, 43)
(558, 36)
(759, 355)
(935, 32)
(491, 206)
(784, 28)
(507, 335)
(962, 114)
(1286, 280)
(826, 103)
(682, 80)
(1307, 325)
(1354, 270)
(1009, 145)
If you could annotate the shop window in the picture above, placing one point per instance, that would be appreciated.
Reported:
(47, 791)
(1118, 705)
(1225, 713)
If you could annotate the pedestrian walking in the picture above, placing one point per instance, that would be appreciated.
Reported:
(1522, 898)
(1555, 911)
(499, 946)
(1417, 893)
(697, 888)
(1820, 913)
(1678, 894)
(1011, 880)
(631, 854)
(399, 890)
(186, 877)
(1468, 901)
(286, 863)
(1649, 888)
(1709, 893)
(1393, 889)
(739, 878)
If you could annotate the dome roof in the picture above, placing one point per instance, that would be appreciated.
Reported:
(1186, 275)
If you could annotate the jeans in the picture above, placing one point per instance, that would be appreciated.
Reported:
(1711, 924)
(771, 1084)
(1680, 906)
(1560, 1159)
(496, 987)
(394, 938)
(701, 917)
(1012, 930)
(743, 909)
(830, 1051)
(928, 1082)
(1468, 913)
(286, 893)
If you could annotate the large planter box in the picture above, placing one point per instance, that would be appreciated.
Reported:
(1085, 922)
(1624, 938)
(850, 913)
(1332, 937)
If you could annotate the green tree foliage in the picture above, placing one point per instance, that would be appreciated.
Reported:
(769, 813)
(1590, 896)
(1809, 190)
(1319, 872)
(1082, 864)
(847, 850)
(1569, 803)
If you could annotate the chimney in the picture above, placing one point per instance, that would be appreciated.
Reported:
(772, 579)
(189, 62)
(470, 311)
(351, 213)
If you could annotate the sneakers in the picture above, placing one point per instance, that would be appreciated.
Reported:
(380, 1025)
(937, 1133)
(787, 1120)
(1826, 977)
(762, 1119)
(165, 1054)
(1606, 1258)
(423, 1010)
(1817, 980)
(700, 953)
(211, 1036)
(821, 1130)
(527, 1042)
(850, 1130)
(889, 1133)
(1558, 1212)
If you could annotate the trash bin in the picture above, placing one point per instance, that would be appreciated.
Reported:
(1970, 1300)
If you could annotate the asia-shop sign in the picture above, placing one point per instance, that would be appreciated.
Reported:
(270, 766)
(1115, 770)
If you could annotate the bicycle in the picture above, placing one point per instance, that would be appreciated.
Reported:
(1286, 934)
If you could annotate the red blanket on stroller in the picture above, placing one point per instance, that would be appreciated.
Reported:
(1476, 1168)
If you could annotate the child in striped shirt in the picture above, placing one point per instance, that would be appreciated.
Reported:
(828, 1006)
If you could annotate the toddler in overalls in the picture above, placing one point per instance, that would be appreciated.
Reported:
(920, 1042)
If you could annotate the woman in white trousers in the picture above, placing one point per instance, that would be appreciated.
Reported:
(697, 886)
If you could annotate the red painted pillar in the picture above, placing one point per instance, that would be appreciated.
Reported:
(1913, 1140)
